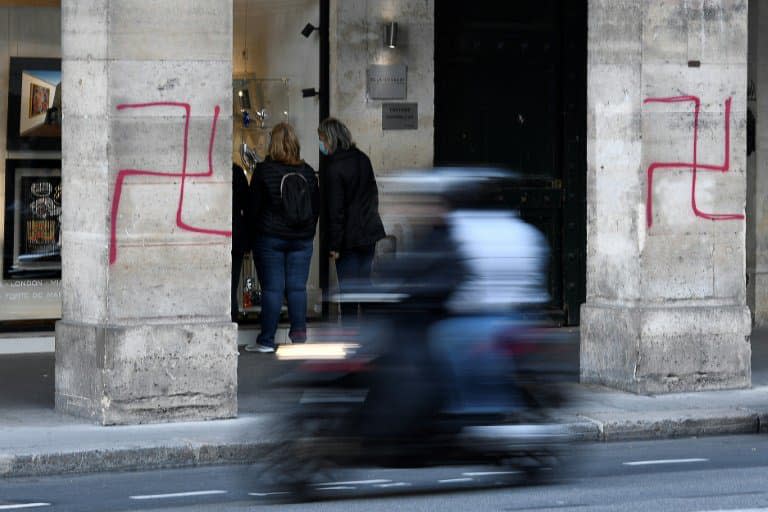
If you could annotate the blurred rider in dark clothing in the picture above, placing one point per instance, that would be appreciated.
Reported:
(460, 288)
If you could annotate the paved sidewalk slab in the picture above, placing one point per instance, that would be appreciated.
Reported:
(620, 416)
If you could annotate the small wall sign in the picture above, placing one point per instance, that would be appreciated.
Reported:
(387, 82)
(399, 116)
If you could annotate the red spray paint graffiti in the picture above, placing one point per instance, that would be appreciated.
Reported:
(124, 173)
(694, 165)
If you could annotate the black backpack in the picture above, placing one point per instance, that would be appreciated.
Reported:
(297, 199)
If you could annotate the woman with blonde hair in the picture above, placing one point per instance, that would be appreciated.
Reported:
(284, 208)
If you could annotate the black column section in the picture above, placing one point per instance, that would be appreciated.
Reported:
(325, 110)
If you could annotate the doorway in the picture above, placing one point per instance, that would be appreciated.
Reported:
(276, 59)
(511, 90)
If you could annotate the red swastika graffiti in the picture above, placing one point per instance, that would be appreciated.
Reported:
(183, 174)
(694, 165)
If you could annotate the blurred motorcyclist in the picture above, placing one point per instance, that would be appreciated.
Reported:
(430, 378)
(463, 285)
(504, 259)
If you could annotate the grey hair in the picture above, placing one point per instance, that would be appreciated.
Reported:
(336, 134)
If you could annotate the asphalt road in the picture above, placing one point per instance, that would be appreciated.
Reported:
(707, 474)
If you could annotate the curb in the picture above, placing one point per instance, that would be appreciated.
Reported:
(594, 427)
(130, 459)
(637, 426)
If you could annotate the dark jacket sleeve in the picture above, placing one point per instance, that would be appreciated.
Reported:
(255, 200)
(336, 209)
(372, 227)
(315, 195)
(240, 208)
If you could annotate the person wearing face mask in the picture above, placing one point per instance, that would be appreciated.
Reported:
(354, 224)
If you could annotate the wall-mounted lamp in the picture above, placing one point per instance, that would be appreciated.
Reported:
(245, 99)
(308, 29)
(308, 93)
(390, 34)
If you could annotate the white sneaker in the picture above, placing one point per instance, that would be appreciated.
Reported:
(264, 349)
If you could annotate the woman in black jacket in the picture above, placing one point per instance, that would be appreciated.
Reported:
(284, 209)
(354, 224)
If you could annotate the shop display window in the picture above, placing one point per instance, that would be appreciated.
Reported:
(258, 105)
(32, 236)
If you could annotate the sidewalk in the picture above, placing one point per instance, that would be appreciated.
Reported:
(36, 441)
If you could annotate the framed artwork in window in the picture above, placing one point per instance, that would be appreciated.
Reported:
(32, 236)
(34, 104)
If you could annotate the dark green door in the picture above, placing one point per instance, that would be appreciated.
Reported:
(511, 90)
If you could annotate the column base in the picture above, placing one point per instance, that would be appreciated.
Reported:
(649, 350)
(119, 375)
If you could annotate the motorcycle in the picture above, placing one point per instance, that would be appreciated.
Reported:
(394, 394)
(450, 365)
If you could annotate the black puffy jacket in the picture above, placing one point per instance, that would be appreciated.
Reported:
(353, 201)
(267, 214)
(240, 203)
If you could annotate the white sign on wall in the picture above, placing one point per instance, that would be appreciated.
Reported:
(387, 82)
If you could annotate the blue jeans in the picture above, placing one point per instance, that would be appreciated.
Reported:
(283, 268)
(353, 269)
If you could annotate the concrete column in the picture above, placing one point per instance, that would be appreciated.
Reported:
(145, 334)
(666, 297)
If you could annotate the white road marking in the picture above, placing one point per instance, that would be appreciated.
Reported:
(394, 484)
(738, 510)
(262, 494)
(175, 495)
(663, 461)
(356, 482)
(337, 488)
(454, 480)
(24, 505)
(491, 473)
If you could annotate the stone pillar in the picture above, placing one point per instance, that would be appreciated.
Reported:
(145, 334)
(666, 298)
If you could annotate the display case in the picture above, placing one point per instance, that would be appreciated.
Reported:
(258, 104)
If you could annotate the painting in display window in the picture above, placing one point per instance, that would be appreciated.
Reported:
(34, 104)
(38, 99)
(32, 241)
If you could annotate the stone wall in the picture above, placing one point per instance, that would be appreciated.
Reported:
(356, 43)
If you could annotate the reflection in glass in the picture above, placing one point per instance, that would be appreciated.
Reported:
(259, 104)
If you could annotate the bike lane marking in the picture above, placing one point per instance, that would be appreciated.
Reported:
(663, 461)
(175, 495)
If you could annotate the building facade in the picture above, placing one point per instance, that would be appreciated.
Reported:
(630, 122)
